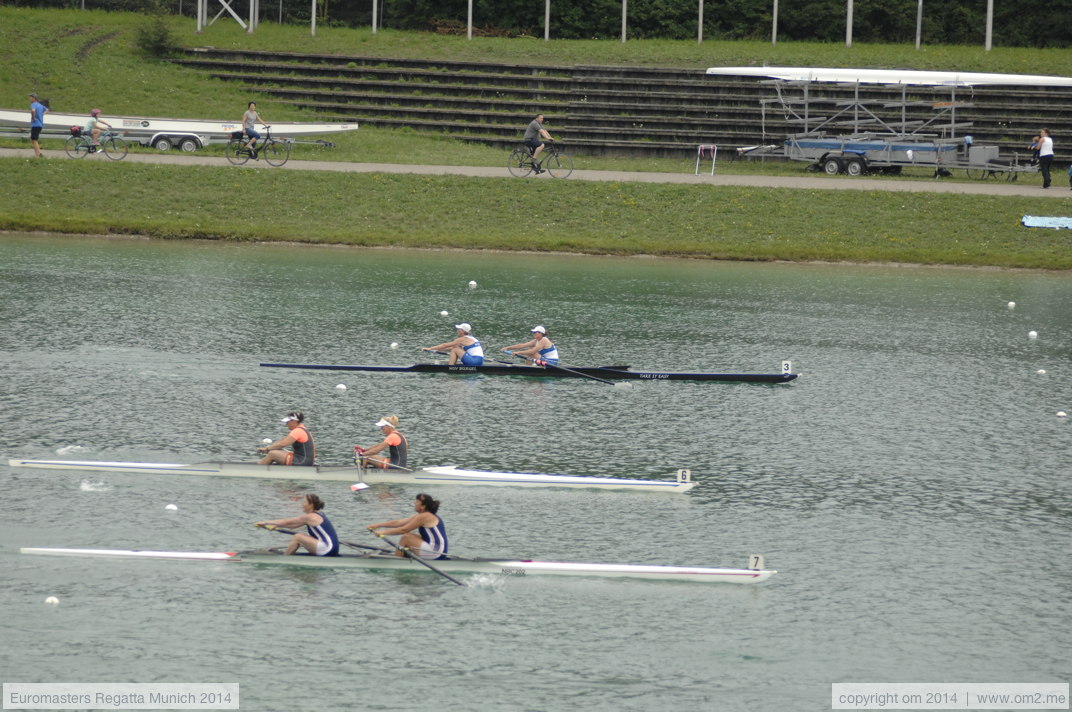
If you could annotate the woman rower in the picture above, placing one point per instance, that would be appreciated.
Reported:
(466, 348)
(540, 350)
(321, 539)
(393, 441)
(430, 539)
(300, 440)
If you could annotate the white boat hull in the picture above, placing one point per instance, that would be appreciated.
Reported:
(893, 76)
(474, 566)
(427, 476)
(148, 126)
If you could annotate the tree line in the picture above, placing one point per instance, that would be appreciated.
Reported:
(954, 22)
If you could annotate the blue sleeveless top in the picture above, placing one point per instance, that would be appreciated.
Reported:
(325, 532)
(436, 537)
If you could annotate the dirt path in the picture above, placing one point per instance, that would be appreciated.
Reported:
(818, 182)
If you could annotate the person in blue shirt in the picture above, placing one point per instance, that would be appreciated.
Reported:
(540, 350)
(321, 539)
(465, 349)
(37, 122)
(429, 541)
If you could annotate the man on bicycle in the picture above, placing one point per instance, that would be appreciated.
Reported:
(533, 134)
(249, 119)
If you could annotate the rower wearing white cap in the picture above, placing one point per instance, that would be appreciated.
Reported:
(300, 440)
(393, 441)
(540, 350)
(466, 348)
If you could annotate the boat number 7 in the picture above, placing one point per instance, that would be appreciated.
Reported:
(755, 562)
(684, 476)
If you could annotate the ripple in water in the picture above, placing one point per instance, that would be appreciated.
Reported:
(87, 486)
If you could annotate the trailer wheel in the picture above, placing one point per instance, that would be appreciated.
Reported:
(162, 144)
(189, 145)
(832, 165)
(855, 167)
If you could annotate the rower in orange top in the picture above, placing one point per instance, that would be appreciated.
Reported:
(300, 440)
(393, 441)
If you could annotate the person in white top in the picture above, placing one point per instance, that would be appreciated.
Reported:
(465, 349)
(1045, 155)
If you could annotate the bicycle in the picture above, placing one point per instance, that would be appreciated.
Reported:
(80, 145)
(275, 151)
(558, 164)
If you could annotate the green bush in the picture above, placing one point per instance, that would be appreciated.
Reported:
(154, 35)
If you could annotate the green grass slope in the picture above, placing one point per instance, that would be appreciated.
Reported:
(85, 59)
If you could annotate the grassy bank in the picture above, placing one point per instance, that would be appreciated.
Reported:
(84, 59)
(487, 213)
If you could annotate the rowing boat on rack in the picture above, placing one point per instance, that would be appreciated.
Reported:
(606, 372)
(445, 475)
(376, 561)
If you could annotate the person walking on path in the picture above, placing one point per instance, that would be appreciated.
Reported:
(37, 122)
(535, 134)
(1045, 156)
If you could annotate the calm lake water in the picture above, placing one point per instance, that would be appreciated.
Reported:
(912, 487)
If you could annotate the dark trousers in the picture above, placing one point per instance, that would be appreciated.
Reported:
(1044, 168)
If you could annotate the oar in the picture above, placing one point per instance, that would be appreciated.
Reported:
(563, 368)
(406, 552)
(350, 544)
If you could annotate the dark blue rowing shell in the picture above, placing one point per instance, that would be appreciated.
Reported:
(607, 372)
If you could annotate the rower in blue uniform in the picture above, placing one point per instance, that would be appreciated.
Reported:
(320, 540)
(541, 351)
(429, 541)
(466, 348)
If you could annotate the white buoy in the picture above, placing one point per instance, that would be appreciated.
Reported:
(1032, 334)
(1012, 305)
(472, 284)
(1041, 372)
(52, 601)
(171, 508)
(394, 344)
(341, 387)
(1062, 414)
(444, 313)
(266, 441)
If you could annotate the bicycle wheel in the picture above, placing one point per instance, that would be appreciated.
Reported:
(276, 153)
(115, 148)
(237, 153)
(520, 163)
(77, 147)
(559, 165)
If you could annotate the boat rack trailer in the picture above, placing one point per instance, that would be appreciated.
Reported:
(884, 135)
(864, 154)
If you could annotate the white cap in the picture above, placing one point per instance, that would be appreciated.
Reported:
(381, 423)
(287, 419)
(464, 326)
(539, 330)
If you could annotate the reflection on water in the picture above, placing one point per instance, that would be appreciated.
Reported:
(901, 485)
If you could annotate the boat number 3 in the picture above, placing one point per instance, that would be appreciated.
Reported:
(684, 476)
(787, 367)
